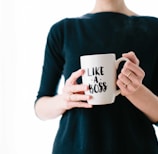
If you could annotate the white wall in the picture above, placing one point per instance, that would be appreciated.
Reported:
(24, 26)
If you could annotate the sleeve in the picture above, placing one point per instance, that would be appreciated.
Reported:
(53, 63)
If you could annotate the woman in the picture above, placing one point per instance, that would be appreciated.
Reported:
(124, 127)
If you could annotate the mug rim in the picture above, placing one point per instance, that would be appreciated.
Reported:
(102, 54)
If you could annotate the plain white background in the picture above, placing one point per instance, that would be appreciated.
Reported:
(24, 25)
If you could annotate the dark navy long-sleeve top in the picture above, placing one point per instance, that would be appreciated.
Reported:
(118, 128)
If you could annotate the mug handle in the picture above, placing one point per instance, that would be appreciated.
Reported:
(117, 62)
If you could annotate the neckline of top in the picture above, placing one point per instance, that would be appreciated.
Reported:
(111, 13)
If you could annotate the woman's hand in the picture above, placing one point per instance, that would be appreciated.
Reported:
(74, 94)
(131, 76)
(130, 82)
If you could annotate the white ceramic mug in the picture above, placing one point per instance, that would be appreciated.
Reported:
(100, 75)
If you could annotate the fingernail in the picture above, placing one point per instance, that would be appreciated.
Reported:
(82, 70)
(89, 97)
(86, 88)
(124, 54)
(89, 105)
(132, 53)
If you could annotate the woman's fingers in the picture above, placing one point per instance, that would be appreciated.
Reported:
(131, 76)
(76, 100)
(74, 76)
(77, 97)
(132, 57)
(70, 105)
(131, 67)
(74, 94)
(77, 88)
